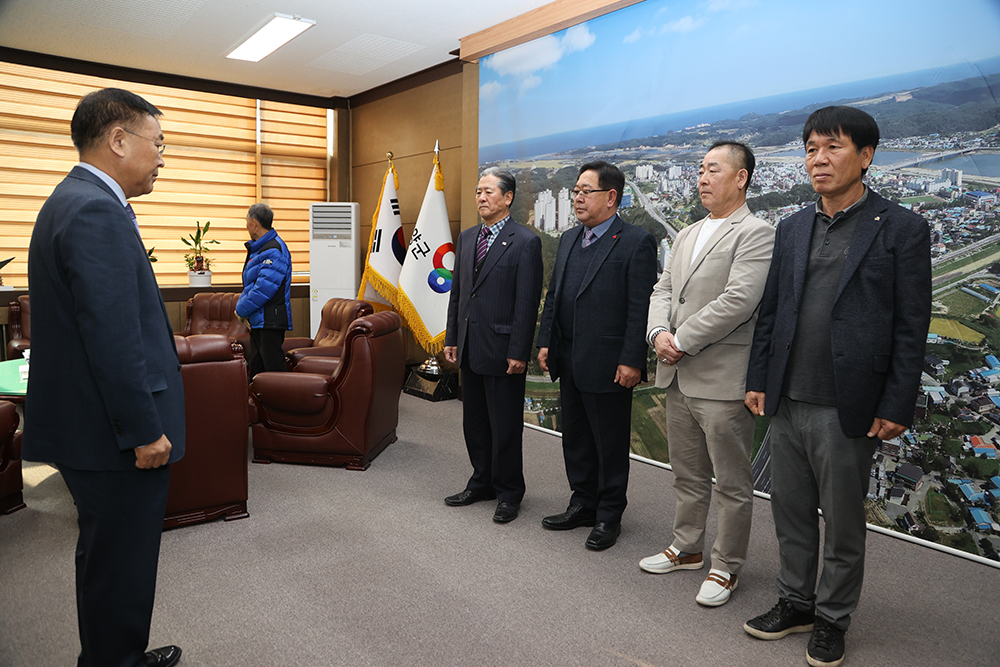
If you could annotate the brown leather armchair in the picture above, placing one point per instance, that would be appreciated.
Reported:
(215, 313)
(346, 418)
(337, 317)
(210, 481)
(11, 484)
(19, 327)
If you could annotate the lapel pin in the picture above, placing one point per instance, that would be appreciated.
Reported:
(504, 243)
(878, 217)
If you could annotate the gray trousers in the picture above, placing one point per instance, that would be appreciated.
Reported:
(705, 436)
(814, 465)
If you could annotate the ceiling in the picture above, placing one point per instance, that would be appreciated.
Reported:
(354, 46)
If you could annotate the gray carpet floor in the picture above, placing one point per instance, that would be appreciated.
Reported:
(337, 567)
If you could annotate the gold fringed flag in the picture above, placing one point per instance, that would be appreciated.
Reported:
(425, 280)
(386, 248)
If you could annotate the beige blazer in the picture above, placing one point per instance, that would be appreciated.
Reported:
(711, 304)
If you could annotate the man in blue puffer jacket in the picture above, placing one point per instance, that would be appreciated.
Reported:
(265, 304)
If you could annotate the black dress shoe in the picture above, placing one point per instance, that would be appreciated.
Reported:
(468, 497)
(604, 535)
(165, 656)
(573, 517)
(506, 512)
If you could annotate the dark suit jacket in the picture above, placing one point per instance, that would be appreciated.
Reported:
(494, 314)
(610, 320)
(104, 372)
(880, 317)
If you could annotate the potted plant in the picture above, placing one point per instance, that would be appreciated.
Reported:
(199, 266)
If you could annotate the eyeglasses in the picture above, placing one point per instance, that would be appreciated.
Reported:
(159, 147)
(585, 193)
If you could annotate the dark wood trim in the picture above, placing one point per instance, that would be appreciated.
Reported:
(421, 78)
(61, 64)
(170, 293)
(174, 293)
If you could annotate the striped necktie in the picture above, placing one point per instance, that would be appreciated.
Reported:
(483, 244)
(588, 237)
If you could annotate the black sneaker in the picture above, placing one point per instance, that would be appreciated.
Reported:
(826, 646)
(783, 619)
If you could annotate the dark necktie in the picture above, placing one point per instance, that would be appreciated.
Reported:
(131, 214)
(588, 237)
(483, 244)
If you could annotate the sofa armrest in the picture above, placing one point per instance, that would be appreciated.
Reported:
(302, 393)
(318, 365)
(203, 347)
(16, 347)
(293, 342)
(300, 353)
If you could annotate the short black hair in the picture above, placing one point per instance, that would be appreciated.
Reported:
(507, 181)
(609, 177)
(743, 152)
(263, 214)
(846, 121)
(98, 110)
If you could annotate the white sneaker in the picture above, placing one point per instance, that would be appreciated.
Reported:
(716, 588)
(669, 560)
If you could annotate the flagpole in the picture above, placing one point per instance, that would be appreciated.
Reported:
(431, 368)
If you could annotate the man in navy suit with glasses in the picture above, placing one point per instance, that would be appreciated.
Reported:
(105, 401)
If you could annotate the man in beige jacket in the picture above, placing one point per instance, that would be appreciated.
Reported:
(701, 321)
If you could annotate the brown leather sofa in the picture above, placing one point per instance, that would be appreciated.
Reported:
(345, 418)
(211, 480)
(19, 327)
(215, 313)
(11, 483)
(337, 317)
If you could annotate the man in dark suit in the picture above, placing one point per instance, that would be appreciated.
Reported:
(836, 360)
(592, 339)
(492, 309)
(105, 401)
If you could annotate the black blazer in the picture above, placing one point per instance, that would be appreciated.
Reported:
(104, 372)
(495, 313)
(610, 318)
(880, 317)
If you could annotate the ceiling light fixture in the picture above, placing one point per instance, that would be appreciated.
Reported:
(276, 33)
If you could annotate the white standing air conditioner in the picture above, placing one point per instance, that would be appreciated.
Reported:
(334, 267)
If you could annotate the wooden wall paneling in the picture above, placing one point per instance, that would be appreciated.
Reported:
(470, 144)
(340, 161)
(407, 121)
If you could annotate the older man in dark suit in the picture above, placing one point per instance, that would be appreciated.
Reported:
(105, 400)
(492, 311)
(836, 360)
(592, 339)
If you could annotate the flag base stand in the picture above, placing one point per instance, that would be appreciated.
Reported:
(429, 382)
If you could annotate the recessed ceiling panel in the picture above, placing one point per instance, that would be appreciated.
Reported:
(364, 54)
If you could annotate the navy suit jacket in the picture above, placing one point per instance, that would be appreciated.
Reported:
(494, 314)
(880, 317)
(609, 324)
(104, 372)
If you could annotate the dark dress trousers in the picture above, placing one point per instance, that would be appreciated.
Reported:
(104, 379)
(491, 317)
(609, 325)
